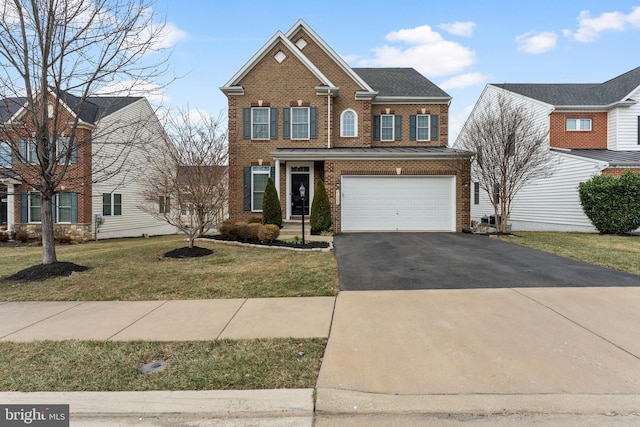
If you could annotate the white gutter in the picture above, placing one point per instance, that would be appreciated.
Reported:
(329, 120)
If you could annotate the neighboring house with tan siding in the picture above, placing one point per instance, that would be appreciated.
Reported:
(376, 137)
(90, 187)
(594, 128)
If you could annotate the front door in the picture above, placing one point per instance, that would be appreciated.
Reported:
(3, 206)
(298, 179)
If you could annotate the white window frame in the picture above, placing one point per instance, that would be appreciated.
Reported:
(267, 124)
(343, 128)
(393, 127)
(428, 127)
(579, 126)
(164, 206)
(59, 206)
(112, 205)
(6, 155)
(307, 123)
(30, 195)
(258, 170)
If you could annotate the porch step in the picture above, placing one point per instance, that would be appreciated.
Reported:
(293, 228)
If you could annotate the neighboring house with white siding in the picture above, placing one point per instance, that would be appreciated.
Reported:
(114, 142)
(593, 129)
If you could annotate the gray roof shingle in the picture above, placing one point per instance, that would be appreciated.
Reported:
(579, 94)
(403, 82)
(620, 158)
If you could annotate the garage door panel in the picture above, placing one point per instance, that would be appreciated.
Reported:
(395, 203)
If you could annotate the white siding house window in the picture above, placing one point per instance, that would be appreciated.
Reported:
(259, 177)
(163, 204)
(300, 123)
(579, 124)
(348, 123)
(35, 207)
(260, 123)
(111, 204)
(423, 125)
(387, 127)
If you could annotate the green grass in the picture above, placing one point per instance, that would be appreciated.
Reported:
(616, 252)
(114, 366)
(134, 269)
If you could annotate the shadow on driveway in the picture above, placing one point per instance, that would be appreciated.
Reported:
(403, 261)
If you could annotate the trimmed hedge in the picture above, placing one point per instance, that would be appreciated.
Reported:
(271, 210)
(231, 229)
(612, 204)
(320, 209)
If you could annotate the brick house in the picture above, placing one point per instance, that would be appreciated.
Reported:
(89, 187)
(376, 137)
(594, 128)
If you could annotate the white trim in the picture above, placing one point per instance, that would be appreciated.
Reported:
(253, 138)
(263, 170)
(291, 123)
(311, 188)
(355, 123)
(428, 127)
(393, 127)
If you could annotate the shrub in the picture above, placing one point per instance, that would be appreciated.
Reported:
(255, 220)
(269, 232)
(254, 230)
(63, 239)
(612, 204)
(320, 209)
(271, 210)
(3, 237)
(228, 230)
(22, 237)
(242, 230)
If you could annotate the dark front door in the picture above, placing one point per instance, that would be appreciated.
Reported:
(298, 179)
(3, 205)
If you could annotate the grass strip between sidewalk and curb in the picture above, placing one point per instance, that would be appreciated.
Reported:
(204, 365)
(135, 270)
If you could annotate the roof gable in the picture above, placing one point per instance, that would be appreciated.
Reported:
(279, 37)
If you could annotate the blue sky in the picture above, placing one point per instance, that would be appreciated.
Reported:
(459, 45)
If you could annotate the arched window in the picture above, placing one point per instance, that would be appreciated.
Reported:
(348, 123)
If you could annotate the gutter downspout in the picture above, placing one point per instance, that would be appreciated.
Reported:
(329, 119)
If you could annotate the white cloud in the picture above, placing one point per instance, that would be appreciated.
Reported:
(427, 51)
(590, 27)
(534, 42)
(153, 92)
(463, 29)
(463, 80)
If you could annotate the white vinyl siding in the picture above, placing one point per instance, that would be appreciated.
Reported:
(622, 127)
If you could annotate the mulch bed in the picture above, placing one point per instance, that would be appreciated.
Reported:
(188, 252)
(45, 271)
(278, 243)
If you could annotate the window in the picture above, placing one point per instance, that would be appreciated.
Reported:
(62, 145)
(163, 204)
(260, 123)
(423, 125)
(300, 123)
(111, 204)
(348, 123)
(5, 155)
(476, 193)
(579, 124)
(259, 178)
(386, 127)
(64, 207)
(28, 152)
(35, 207)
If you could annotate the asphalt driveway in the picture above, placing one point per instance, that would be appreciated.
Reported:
(409, 261)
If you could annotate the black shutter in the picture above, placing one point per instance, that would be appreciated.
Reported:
(23, 151)
(272, 173)
(246, 123)
(638, 130)
(412, 127)
(313, 122)
(434, 127)
(74, 208)
(286, 123)
(24, 206)
(247, 188)
(397, 123)
(376, 128)
(274, 123)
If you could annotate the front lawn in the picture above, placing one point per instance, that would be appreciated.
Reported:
(616, 252)
(135, 269)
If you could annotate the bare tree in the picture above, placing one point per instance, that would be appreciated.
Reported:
(510, 149)
(188, 187)
(54, 56)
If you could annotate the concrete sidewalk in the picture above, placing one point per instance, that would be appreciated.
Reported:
(188, 320)
(483, 351)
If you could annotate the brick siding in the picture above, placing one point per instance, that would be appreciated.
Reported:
(560, 137)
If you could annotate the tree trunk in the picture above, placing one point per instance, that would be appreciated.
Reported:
(48, 240)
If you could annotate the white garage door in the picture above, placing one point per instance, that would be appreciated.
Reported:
(398, 203)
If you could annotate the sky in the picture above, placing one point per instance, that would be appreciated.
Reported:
(459, 45)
